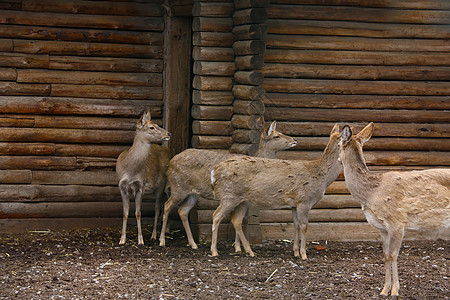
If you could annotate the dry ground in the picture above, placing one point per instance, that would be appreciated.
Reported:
(89, 264)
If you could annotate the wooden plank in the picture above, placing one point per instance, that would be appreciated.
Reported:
(212, 97)
(211, 142)
(363, 29)
(78, 106)
(207, 68)
(205, 127)
(204, 112)
(107, 92)
(89, 49)
(356, 57)
(213, 83)
(16, 89)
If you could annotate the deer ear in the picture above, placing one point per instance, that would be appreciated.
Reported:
(272, 127)
(335, 129)
(365, 134)
(346, 134)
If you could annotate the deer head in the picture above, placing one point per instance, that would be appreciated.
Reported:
(354, 142)
(150, 131)
(274, 140)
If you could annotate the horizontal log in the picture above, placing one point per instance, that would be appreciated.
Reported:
(84, 77)
(211, 142)
(249, 16)
(356, 115)
(360, 14)
(356, 57)
(16, 121)
(248, 92)
(211, 9)
(212, 97)
(81, 35)
(249, 77)
(59, 135)
(251, 47)
(325, 86)
(78, 106)
(38, 163)
(212, 83)
(15, 176)
(249, 62)
(245, 136)
(355, 43)
(16, 89)
(247, 121)
(110, 64)
(337, 187)
(242, 4)
(106, 91)
(212, 127)
(77, 122)
(356, 72)
(412, 130)
(363, 29)
(357, 101)
(244, 107)
(213, 54)
(89, 49)
(73, 177)
(203, 112)
(19, 60)
(214, 68)
(212, 24)
(212, 39)
(436, 4)
(385, 158)
(6, 45)
(98, 8)
(82, 21)
(250, 32)
(7, 74)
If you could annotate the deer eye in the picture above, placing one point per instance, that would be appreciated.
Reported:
(277, 137)
(152, 127)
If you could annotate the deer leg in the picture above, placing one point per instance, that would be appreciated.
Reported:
(138, 193)
(183, 211)
(123, 186)
(387, 263)
(158, 197)
(302, 215)
(218, 215)
(236, 218)
(395, 243)
(168, 206)
(296, 232)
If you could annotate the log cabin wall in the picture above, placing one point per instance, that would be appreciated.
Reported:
(354, 62)
(75, 77)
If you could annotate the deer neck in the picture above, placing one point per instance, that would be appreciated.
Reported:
(330, 165)
(138, 152)
(265, 151)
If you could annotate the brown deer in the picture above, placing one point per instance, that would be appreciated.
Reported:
(273, 183)
(394, 201)
(189, 175)
(143, 166)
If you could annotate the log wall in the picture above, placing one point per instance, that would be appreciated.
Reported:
(74, 78)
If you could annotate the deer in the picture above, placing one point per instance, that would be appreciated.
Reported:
(143, 166)
(275, 184)
(188, 175)
(395, 201)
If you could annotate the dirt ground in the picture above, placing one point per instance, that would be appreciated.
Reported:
(89, 264)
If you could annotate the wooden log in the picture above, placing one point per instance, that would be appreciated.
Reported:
(363, 29)
(439, 4)
(250, 47)
(78, 106)
(357, 101)
(18, 60)
(96, 8)
(249, 77)
(89, 49)
(81, 35)
(356, 115)
(77, 122)
(212, 97)
(212, 39)
(6, 45)
(357, 72)
(211, 9)
(214, 68)
(85, 78)
(359, 14)
(16, 121)
(250, 32)
(7, 74)
(247, 121)
(337, 187)
(242, 4)
(109, 64)
(354, 43)
(213, 54)
(210, 83)
(15, 89)
(201, 127)
(37, 163)
(249, 16)
(106, 91)
(203, 112)
(96, 163)
(74, 177)
(82, 21)
(211, 142)
(15, 176)
(245, 136)
(248, 92)
(249, 62)
(245, 107)
(356, 57)
(212, 24)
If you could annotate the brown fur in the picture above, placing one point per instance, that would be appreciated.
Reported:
(189, 176)
(395, 201)
(276, 183)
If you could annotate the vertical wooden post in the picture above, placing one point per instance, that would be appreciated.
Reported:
(177, 80)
